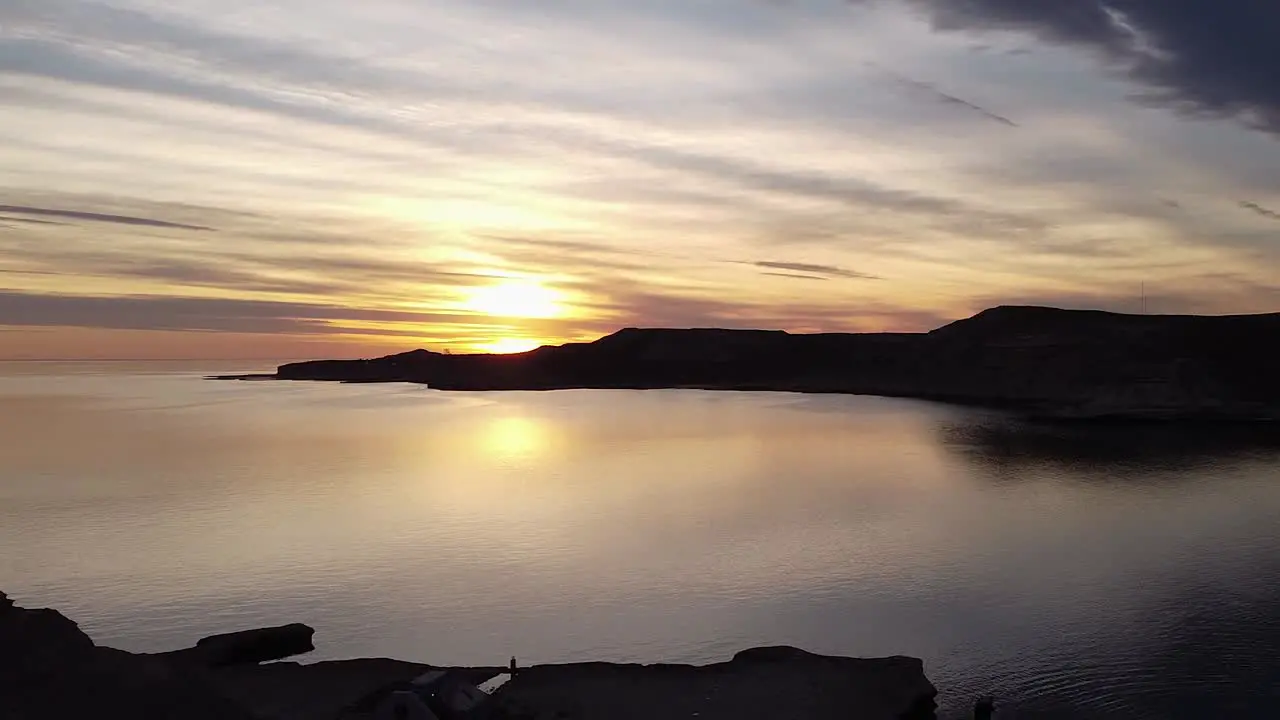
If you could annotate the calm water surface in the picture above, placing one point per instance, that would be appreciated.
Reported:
(1083, 573)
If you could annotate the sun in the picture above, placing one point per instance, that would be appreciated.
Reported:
(515, 298)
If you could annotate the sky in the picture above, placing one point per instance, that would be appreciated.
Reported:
(321, 178)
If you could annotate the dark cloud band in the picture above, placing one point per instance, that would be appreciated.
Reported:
(1203, 58)
(1264, 212)
(810, 269)
(97, 217)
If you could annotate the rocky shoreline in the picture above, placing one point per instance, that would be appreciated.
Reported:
(51, 670)
(1047, 363)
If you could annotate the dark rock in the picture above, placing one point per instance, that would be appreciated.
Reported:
(778, 653)
(254, 646)
(50, 670)
(318, 691)
(36, 645)
(758, 684)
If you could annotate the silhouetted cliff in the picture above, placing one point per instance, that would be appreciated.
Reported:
(1062, 363)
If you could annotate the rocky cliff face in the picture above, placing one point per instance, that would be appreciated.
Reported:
(1084, 364)
(1064, 363)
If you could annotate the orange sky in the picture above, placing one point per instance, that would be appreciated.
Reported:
(295, 179)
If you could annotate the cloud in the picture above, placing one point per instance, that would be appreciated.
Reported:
(1223, 293)
(98, 217)
(629, 305)
(212, 273)
(237, 268)
(558, 256)
(947, 98)
(844, 189)
(1264, 212)
(55, 61)
(141, 312)
(1214, 60)
(809, 269)
(626, 156)
(342, 84)
(294, 82)
(639, 305)
(797, 276)
(28, 221)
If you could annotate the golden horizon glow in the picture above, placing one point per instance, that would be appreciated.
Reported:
(509, 345)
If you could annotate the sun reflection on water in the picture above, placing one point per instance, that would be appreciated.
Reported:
(515, 439)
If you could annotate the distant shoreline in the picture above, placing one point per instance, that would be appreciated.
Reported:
(1043, 363)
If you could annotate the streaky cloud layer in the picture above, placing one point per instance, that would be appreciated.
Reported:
(187, 178)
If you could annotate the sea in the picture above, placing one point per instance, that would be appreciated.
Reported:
(1070, 571)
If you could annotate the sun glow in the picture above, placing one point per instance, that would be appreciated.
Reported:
(509, 345)
(511, 297)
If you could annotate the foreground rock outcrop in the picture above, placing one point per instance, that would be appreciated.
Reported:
(50, 670)
(249, 646)
(1043, 361)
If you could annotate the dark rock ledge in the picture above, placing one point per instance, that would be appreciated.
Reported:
(50, 670)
